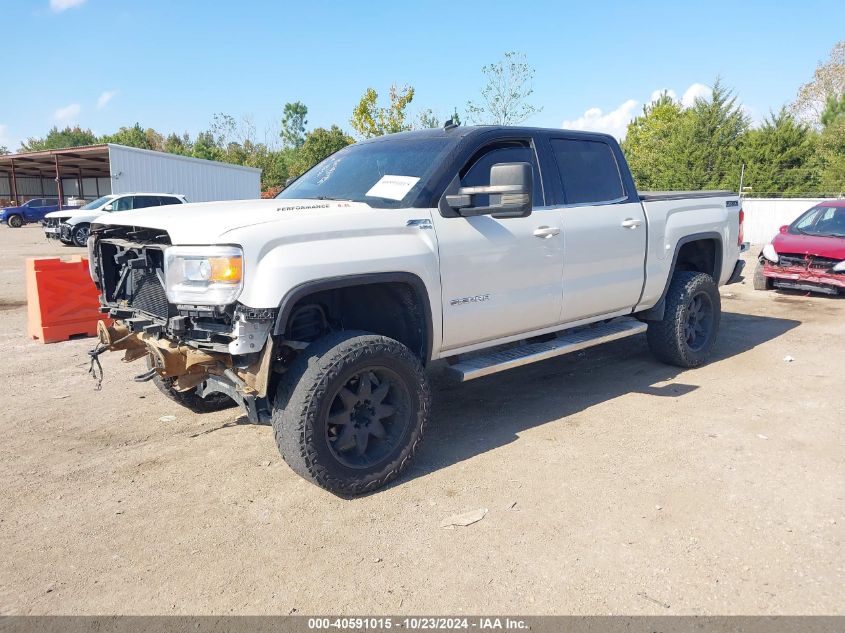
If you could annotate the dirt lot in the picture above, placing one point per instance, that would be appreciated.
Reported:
(614, 484)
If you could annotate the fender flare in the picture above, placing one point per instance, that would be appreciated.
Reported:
(346, 281)
(656, 312)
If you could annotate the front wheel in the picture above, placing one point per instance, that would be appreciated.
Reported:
(350, 412)
(15, 221)
(687, 332)
(79, 234)
(761, 282)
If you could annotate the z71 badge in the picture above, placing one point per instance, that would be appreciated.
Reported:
(475, 299)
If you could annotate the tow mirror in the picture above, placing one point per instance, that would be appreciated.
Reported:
(510, 190)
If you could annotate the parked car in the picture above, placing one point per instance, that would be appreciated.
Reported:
(808, 254)
(30, 211)
(71, 226)
(491, 247)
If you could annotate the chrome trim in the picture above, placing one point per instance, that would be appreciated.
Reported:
(420, 223)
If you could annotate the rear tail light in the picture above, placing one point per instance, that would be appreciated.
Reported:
(740, 236)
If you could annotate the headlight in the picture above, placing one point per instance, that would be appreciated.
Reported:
(203, 275)
(840, 267)
(770, 253)
(92, 262)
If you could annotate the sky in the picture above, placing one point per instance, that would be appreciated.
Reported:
(173, 64)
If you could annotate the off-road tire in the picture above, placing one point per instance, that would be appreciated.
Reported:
(190, 399)
(667, 338)
(305, 396)
(78, 233)
(15, 221)
(761, 282)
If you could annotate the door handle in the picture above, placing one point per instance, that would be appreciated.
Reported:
(631, 223)
(546, 231)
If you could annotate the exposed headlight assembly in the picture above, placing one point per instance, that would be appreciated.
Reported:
(840, 267)
(203, 275)
(770, 253)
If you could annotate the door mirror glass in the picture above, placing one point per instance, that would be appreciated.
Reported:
(510, 191)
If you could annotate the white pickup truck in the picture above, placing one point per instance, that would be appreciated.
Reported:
(489, 247)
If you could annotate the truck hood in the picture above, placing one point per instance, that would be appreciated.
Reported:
(832, 247)
(209, 222)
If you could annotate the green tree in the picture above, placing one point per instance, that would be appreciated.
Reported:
(136, 136)
(428, 119)
(369, 119)
(780, 156)
(653, 144)
(4, 150)
(504, 99)
(175, 144)
(293, 124)
(831, 152)
(205, 147)
(711, 140)
(319, 144)
(834, 109)
(58, 139)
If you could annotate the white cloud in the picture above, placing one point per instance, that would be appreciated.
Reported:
(67, 113)
(64, 5)
(693, 92)
(104, 98)
(614, 122)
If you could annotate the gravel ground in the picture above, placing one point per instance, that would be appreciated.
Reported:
(613, 484)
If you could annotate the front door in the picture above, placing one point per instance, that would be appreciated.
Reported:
(499, 277)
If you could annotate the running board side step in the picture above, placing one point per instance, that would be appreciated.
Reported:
(478, 366)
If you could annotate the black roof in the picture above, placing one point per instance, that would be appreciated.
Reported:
(463, 131)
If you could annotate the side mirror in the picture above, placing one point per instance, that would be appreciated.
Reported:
(510, 191)
(109, 207)
(784, 228)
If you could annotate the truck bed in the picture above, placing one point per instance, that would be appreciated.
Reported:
(677, 195)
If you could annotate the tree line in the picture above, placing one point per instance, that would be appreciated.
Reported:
(798, 150)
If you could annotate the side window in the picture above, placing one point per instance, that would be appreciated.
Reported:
(588, 171)
(122, 204)
(169, 200)
(36, 202)
(477, 172)
(141, 202)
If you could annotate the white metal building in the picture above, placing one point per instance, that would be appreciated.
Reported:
(92, 171)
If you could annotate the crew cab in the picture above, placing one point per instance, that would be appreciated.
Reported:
(807, 255)
(30, 211)
(486, 247)
(71, 226)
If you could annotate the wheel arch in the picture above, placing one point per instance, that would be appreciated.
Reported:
(698, 251)
(299, 294)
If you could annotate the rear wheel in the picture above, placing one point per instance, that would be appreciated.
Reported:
(761, 282)
(15, 221)
(687, 332)
(350, 412)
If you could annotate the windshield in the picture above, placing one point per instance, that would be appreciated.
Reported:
(386, 174)
(96, 204)
(821, 221)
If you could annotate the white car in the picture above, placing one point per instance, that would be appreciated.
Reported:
(71, 225)
(490, 247)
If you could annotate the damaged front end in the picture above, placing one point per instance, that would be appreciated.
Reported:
(810, 273)
(207, 349)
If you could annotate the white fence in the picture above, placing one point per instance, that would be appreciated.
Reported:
(764, 216)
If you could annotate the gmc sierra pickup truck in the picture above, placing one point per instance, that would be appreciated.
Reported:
(489, 247)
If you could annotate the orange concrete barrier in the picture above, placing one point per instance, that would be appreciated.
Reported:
(62, 301)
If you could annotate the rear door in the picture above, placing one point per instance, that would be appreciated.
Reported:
(604, 229)
(499, 277)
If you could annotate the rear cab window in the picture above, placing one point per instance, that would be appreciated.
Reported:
(589, 173)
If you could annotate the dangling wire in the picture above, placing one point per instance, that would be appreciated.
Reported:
(95, 369)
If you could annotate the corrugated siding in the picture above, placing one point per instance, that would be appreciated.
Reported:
(764, 216)
(136, 170)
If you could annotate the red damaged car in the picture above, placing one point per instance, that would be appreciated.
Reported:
(809, 254)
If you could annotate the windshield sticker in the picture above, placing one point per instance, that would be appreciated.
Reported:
(392, 187)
